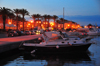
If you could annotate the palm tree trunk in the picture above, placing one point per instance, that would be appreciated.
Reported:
(4, 20)
(54, 24)
(23, 22)
(34, 22)
(17, 21)
(48, 23)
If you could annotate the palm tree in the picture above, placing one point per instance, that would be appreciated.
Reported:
(54, 18)
(48, 17)
(34, 17)
(11, 16)
(57, 23)
(23, 12)
(61, 19)
(38, 17)
(45, 17)
(4, 12)
(17, 11)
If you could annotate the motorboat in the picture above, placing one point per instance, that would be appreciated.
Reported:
(67, 37)
(54, 42)
(94, 31)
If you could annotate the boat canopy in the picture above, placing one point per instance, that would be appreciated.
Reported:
(52, 34)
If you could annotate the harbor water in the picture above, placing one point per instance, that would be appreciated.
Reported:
(89, 58)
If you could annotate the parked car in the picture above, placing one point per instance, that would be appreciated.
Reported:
(12, 33)
(38, 32)
(20, 33)
(27, 32)
(32, 33)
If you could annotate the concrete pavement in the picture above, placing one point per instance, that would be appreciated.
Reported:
(10, 43)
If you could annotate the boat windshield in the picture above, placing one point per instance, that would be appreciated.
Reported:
(55, 38)
(65, 35)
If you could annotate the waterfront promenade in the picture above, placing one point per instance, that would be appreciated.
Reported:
(10, 43)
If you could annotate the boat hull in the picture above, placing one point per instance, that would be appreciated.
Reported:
(53, 49)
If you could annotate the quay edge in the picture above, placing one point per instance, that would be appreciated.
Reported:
(7, 46)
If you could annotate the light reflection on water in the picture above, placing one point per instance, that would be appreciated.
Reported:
(90, 58)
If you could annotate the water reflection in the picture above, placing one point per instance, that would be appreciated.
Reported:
(90, 58)
(58, 59)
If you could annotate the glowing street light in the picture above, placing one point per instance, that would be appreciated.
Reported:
(9, 23)
(31, 21)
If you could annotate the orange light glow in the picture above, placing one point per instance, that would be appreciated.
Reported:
(52, 23)
(28, 23)
(32, 26)
(44, 23)
(14, 25)
(39, 21)
(85, 26)
(9, 22)
(36, 22)
(58, 25)
(68, 25)
(78, 26)
(20, 25)
(27, 26)
(31, 21)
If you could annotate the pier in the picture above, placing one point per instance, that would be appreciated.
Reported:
(11, 43)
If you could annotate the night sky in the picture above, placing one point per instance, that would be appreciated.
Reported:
(80, 11)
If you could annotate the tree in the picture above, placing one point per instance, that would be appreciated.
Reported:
(57, 23)
(23, 12)
(38, 17)
(48, 17)
(34, 16)
(61, 19)
(54, 18)
(45, 17)
(5, 13)
(17, 11)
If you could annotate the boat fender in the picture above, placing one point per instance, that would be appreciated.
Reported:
(39, 38)
(69, 43)
(57, 46)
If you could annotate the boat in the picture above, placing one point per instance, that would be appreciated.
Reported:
(90, 31)
(66, 36)
(94, 31)
(54, 42)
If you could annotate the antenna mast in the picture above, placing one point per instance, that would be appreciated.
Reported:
(63, 17)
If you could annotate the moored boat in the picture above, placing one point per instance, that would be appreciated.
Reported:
(54, 42)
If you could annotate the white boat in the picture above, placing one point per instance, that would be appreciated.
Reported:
(67, 37)
(94, 31)
(54, 42)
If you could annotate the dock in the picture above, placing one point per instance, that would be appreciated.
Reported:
(11, 43)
